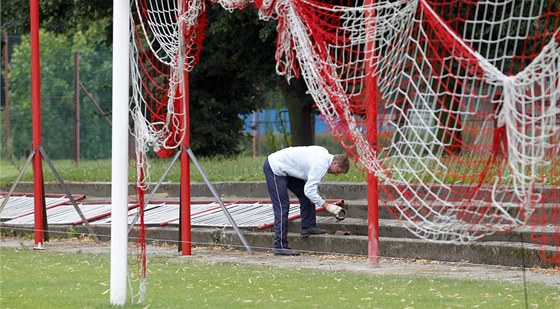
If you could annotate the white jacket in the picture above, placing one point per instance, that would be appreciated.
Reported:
(309, 163)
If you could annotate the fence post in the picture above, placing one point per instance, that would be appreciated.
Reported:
(76, 107)
(7, 96)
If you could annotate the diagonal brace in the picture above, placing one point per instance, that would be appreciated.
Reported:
(67, 192)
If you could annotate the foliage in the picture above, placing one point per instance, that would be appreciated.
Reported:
(234, 72)
(57, 94)
(239, 168)
(78, 280)
(230, 80)
(57, 16)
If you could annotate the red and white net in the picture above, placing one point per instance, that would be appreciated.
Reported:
(466, 97)
(166, 42)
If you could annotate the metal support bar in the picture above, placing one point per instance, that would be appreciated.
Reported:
(175, 158)
(210, 186)
(95, 104)
(67, 192)
(213, 190)
(154, 190)
(17, 180)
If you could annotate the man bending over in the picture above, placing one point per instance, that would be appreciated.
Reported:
(300, 170)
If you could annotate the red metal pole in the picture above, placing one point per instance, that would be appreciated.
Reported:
(371, 135)
(185, 202)
(373, 186)
(36, 121)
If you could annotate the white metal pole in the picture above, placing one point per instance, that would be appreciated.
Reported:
(119, 152)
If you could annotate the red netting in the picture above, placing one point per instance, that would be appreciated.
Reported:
(464, 96)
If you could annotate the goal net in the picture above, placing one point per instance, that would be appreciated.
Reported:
(465, 98)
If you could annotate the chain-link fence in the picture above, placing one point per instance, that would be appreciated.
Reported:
(75, 98)
(76, 88)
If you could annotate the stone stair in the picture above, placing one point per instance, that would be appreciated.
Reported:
(348, 236)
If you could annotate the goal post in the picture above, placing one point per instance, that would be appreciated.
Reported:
(371, 98)
(449, 107)
(38, 187)
(467, 125)
(119, 153)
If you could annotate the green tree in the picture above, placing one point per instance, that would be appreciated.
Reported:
(57, 94)
(236, 68)
(57, 16)
(301, 110)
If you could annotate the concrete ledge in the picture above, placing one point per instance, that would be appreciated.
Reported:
(244, 189)
(492, 253)
(396, 241)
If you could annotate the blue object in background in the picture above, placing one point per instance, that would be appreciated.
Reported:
(277, 121)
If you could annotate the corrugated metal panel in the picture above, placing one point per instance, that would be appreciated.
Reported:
(19, 210)
(23, 205)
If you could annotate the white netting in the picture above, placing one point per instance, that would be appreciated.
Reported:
(465, 95)
(434, 84)
(165, 41)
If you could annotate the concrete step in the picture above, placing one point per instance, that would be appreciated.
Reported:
(359, 209)
(492, 253)
(247, 189)
(393, 228)
(348, 236)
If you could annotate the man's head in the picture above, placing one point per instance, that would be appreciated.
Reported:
(339, 165)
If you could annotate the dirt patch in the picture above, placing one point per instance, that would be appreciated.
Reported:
(327, 262)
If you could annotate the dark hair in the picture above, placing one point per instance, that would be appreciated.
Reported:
(343, 162)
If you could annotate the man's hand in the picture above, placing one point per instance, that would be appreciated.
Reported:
(339, 212)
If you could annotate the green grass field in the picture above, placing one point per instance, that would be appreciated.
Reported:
(44, 279)
(241, 168)
(41, 279)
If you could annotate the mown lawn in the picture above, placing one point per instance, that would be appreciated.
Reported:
(241, 168)
(44, 279)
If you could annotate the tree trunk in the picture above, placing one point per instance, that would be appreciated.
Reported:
(450, 118)
(299, 103)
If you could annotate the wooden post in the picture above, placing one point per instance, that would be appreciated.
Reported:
(7, 96)
(76, 107)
